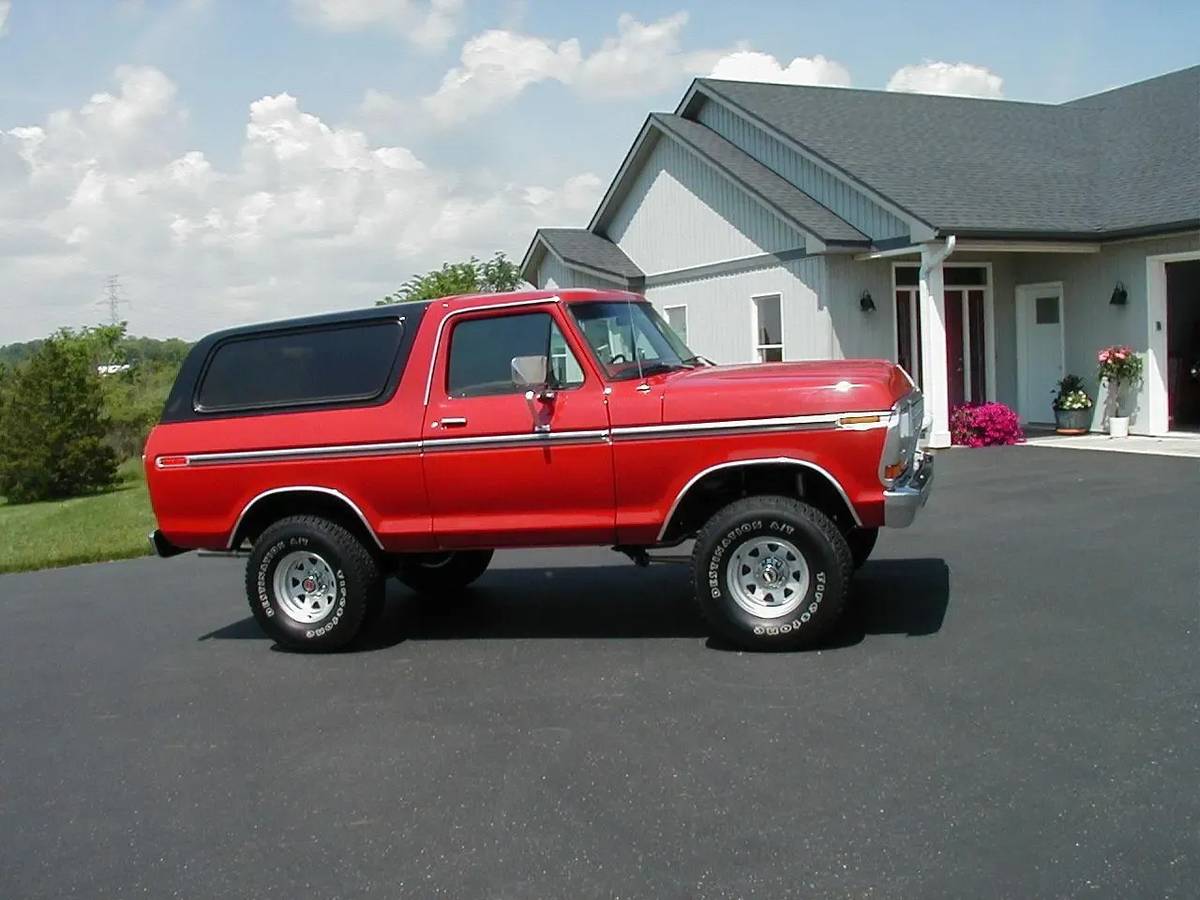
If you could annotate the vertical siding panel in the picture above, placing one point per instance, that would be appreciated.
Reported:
(553, 275)
(849, 203)
(680, 212)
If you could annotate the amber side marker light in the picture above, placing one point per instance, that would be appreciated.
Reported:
(860, 420)
(895, 470)
(171, 462)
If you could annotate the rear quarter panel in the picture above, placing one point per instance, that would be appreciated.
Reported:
(197, 506)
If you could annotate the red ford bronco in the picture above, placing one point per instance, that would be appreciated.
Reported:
(416, 439)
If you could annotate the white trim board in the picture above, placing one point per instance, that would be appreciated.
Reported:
(1157, 391)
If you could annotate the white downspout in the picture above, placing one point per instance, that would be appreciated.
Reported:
(933, 340)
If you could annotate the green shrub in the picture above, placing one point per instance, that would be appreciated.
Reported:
(52, 443)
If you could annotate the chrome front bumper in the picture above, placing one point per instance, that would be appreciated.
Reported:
(900, 504)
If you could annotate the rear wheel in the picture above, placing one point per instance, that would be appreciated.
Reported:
(429, 573)
(310, 583)
(771, 573)
(862, 542)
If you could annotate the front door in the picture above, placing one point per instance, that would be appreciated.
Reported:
(966, 332)
(502, 469)
(1039, 349)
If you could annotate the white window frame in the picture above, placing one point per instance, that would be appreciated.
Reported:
(989, 322)
(667, 315)
(755, 346)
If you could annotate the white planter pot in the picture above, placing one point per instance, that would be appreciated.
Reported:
(1118, 426)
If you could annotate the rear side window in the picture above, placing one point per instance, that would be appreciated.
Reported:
(312, 366)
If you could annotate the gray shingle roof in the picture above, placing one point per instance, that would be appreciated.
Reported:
(582, 247)
(776, 191)
(1123, 160)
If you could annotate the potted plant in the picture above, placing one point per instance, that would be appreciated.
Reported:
(1121, 370)
(1072, 407)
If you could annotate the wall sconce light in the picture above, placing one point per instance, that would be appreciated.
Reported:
(865, 303)
(1119, 295)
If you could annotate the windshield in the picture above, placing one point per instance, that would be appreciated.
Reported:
(623, 334)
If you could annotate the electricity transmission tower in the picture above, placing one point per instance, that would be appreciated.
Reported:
(113, 299)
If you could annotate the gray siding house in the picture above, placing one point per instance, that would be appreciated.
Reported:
(988, 246)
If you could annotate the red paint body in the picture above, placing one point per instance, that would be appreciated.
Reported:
(612, 488)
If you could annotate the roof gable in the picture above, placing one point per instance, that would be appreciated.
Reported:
(965, 164)
(768, 188)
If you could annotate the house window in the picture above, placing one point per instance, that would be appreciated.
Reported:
(677, 319)
(768, 328)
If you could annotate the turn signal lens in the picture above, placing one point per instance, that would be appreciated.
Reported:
(172, 462)
(860, 420)
(895, 470)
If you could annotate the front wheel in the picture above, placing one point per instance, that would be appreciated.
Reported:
(771, 573)
(429, 573)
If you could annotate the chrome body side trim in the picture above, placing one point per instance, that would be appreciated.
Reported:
(516, 440)
(778, 423)
(333, 451)
(300, 489)
(787, 460)
(630, 432)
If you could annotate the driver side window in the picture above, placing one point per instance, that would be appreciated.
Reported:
(482, 350)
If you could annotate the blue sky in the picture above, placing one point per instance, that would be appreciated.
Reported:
(398, 133)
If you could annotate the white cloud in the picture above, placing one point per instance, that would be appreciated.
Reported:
(641, 59)
(750, 65)
(498, 65)
(960, 79)
(5, 9)
(312, 217)
(424, 22)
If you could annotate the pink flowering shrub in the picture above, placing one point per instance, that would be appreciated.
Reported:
(984, 425)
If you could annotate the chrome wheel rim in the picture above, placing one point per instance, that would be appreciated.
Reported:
(305, 587)
(767, 577)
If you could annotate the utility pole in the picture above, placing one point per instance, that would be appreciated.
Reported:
(113, 299)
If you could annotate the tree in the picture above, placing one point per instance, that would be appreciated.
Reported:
(53, 443)
(470, 277)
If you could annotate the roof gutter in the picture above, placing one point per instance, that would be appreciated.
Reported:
(931, 259)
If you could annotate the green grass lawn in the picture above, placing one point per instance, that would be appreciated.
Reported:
(84, 529)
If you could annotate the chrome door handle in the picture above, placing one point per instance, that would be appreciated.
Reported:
(453, 422)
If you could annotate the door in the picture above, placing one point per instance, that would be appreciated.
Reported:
(956, 360)
(966, 339)
(505, 469)
(1040, 362)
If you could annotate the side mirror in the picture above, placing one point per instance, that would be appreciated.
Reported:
(530, 372)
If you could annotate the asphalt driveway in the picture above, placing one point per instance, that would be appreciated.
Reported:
(1013, 709)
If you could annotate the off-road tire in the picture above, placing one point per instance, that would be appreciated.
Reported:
(861, 542)
(428, 574)
(357, 588)
(773, 521)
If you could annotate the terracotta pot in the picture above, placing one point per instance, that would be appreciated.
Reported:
(1072, 421)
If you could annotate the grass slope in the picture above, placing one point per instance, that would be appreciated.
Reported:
(106, 526)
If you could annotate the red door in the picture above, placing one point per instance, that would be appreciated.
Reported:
(502, 470)
(955, 357)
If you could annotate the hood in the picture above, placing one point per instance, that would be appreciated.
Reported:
(763, 390)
